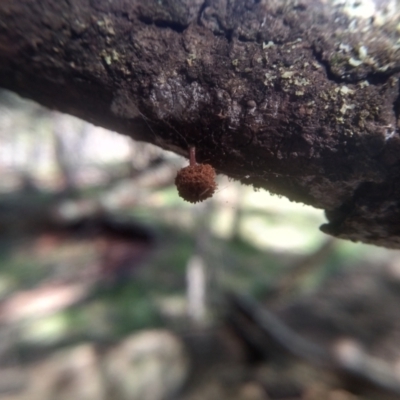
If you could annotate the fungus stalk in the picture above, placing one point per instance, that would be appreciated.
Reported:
(192, 156)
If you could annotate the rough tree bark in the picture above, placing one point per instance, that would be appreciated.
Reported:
(300, 97)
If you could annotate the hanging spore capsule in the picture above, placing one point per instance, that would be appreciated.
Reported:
(196, 182)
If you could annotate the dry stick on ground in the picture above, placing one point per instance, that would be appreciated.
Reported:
(347, 358)
(303, 267)
(300, 98)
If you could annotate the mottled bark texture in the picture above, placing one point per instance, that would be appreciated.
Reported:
(300, 97)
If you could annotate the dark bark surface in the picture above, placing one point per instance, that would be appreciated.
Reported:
(298, 97)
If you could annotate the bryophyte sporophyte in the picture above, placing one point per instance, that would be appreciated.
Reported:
(196, 182)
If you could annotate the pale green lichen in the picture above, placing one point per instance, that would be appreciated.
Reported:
(190, 59)
(362, 52)
(301, 82)
(363, 84)
(287, 75)
(354, 62)
(344, 90)
(346, 107)
(106, 26)
(109, 58)
(268, 45)
(269, 78)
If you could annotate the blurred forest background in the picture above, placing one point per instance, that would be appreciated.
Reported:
(112, 287)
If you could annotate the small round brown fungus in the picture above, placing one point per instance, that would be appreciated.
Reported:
(196, 183)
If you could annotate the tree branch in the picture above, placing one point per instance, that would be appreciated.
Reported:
(298, 97)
